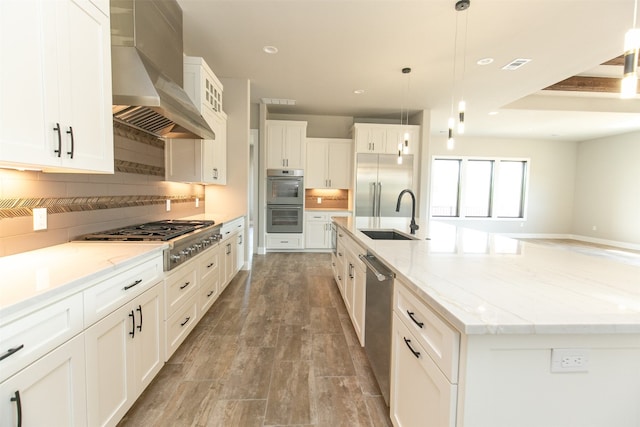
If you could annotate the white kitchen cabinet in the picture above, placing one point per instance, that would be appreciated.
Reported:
(202, 85)
(50, 391)
(232, 247)
(396, 134)
(240, 241)
(370, 138)
(181, 323)
(420, 393)
(124, 351)
(55, 109)
(285, 241)
(26, 339)
(317, 228)
(328, 163)
(201, 161)
(355, 276)
(286, 144)
(230, 258)
(384, 138)
(209, 267)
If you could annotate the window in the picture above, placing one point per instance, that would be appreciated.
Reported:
(478, 188)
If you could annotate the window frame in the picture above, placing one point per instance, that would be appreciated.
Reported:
(495, 175)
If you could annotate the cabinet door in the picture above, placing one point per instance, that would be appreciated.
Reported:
(315, 235)
(61, 56)
(295, 136)
(370, 139)
(359, 298)
(28, 82)
(51, 390)
(219, 153)
(275, 145)
(149, 337)
(87, 85)
(109, 358)
(420, 393)
(339, 160)
(316, 167)
(240, 247)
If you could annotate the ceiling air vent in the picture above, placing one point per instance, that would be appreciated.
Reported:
(516, 63)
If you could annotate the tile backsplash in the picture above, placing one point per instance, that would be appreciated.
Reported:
(84, 203)
(326, 198)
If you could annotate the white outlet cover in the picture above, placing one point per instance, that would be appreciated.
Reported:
(168, 205)
(569, 360)
(39, 219)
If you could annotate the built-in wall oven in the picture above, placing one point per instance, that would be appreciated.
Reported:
(285, 200)
(285, 187)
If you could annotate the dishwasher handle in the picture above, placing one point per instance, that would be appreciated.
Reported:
(380, 276)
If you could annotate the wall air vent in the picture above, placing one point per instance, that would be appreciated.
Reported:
(278, 101)
(516, 63)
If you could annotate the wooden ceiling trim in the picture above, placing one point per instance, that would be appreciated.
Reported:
(588, 84)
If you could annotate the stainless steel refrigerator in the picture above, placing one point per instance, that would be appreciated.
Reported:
(379, 181)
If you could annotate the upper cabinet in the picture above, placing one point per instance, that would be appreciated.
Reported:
(55, 108)
(385, 138)
(328, 163)
(200, 160)
(286, 144)
(202, 85)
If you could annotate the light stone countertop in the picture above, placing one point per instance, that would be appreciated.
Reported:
(35, 278)
(485, 283)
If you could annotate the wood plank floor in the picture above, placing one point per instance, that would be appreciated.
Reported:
(276, 349)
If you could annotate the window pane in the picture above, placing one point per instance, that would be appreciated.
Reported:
(446, 178)
(510, 189)
(478, 188)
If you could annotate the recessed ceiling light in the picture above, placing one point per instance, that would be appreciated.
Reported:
(493, 113)
(484, 61)
(270, 49)
(358, 91)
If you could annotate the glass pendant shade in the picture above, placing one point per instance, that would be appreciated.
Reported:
(629, 85)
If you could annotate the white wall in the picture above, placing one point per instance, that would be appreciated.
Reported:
(320, 126)
(234, 197)
(607, 192)
(551, 181)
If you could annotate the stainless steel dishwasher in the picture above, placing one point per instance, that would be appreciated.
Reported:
(377, 329)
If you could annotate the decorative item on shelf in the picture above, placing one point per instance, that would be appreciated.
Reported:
(629, 84)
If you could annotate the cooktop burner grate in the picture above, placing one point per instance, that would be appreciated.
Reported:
(157, 230)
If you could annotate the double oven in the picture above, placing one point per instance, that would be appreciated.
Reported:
(285, 200)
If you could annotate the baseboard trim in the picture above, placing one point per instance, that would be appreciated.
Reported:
(588, 239)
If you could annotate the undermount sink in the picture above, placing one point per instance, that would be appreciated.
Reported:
(387, 235)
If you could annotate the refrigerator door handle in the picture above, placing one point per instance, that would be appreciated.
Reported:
(374, 199)
(379, 197)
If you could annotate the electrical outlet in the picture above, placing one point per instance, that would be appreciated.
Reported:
(168, 205)
(197, 202)
(39, 219)
(569, 360)
(319, 200)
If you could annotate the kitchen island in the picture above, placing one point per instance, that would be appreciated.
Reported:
(527, 335)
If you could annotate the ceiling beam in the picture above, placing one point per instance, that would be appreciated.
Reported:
(588, 84)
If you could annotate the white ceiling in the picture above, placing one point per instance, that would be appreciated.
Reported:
(329, 48)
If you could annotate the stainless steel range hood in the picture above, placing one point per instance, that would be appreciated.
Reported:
(147, 70)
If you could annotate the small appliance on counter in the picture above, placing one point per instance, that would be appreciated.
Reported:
(186, 238)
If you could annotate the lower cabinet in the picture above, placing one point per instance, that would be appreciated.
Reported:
(351, 276)
(49, 392)
(124, 352)
(420, 393)
(209, 278)
(230, 259)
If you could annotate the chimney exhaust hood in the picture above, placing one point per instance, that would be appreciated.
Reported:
(147, 70)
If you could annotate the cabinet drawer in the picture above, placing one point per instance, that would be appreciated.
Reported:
(439, 339)
(180, 286)
(180, 324)
(420, 394)
(107, 295)
(316, 216)
(28, 338)
(231, 227)
(209, 266)
(293, 241)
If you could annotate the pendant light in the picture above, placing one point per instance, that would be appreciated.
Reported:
(403, 146)
(462, 5)
(629, 84)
